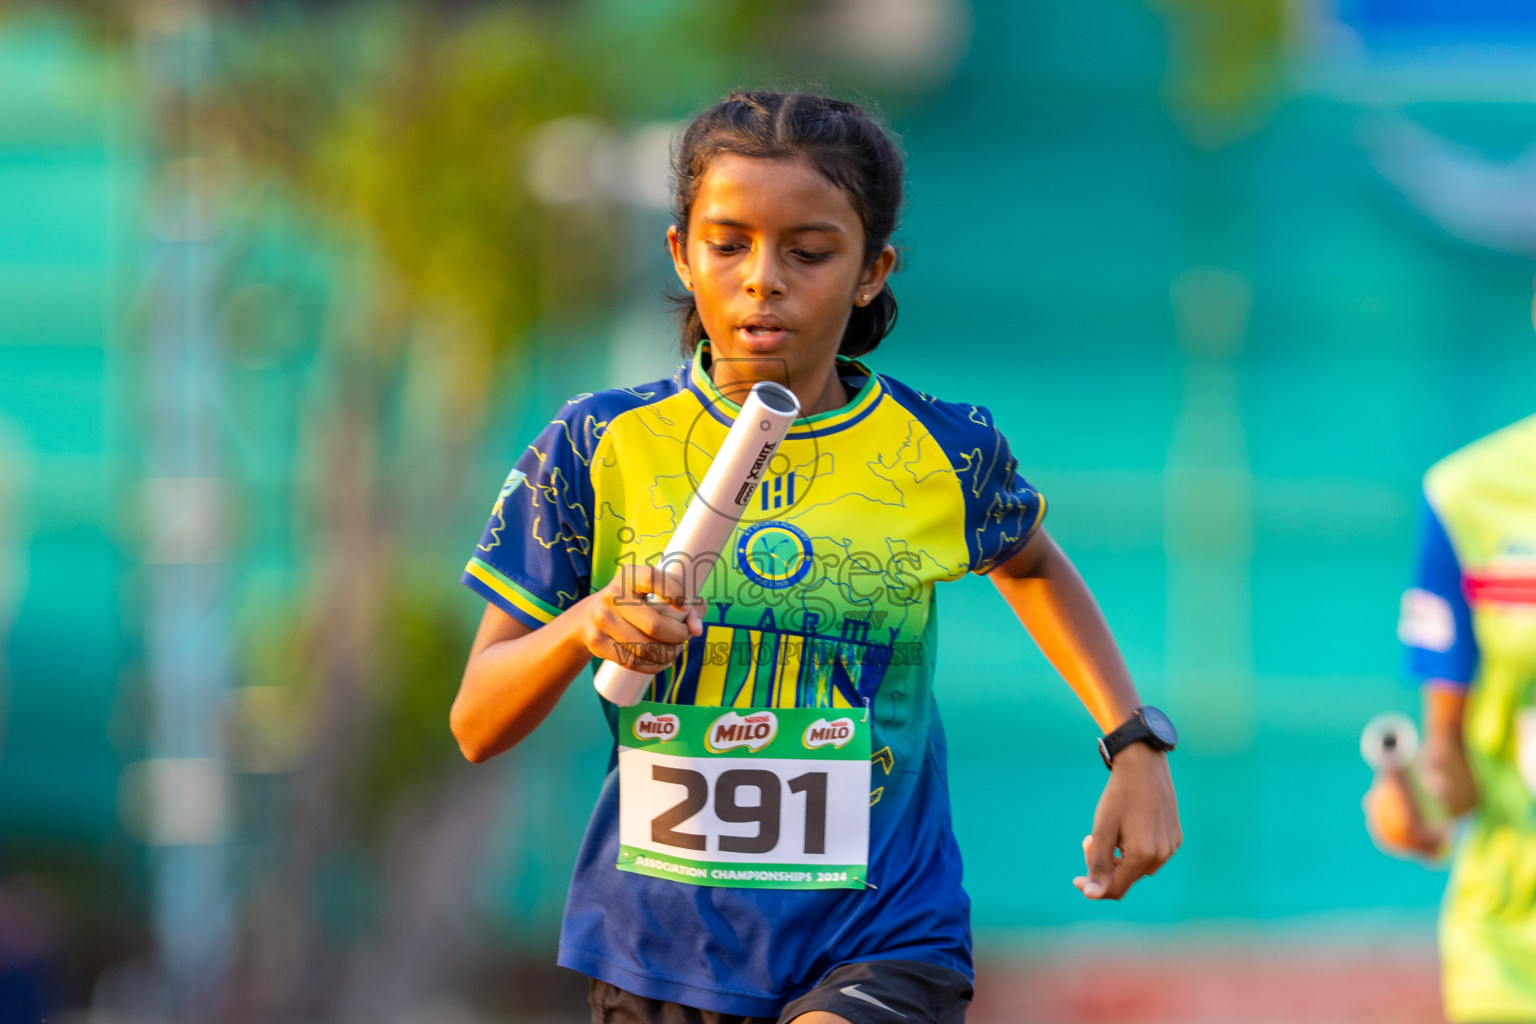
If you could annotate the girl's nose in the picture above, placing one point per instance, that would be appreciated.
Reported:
(765, 278)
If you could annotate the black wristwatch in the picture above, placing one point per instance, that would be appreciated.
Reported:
(1146, 725)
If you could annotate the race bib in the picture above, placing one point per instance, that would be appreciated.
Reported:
(762, 798)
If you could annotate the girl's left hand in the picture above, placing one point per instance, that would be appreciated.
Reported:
(1136, 826)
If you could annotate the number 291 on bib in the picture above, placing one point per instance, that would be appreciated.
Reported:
(763, 798)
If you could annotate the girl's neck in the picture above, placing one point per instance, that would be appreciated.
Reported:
(819, 389)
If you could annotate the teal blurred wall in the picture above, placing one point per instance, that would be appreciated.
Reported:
(70, 203)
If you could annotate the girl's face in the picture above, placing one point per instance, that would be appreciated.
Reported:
(775, 260)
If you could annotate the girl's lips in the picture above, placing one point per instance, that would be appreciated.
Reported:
(762, 338)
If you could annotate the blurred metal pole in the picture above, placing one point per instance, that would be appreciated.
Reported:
(1208, 532)
(186, 778)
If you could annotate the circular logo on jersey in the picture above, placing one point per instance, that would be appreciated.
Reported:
(774, 554)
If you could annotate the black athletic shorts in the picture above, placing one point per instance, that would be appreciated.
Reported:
(873, 992)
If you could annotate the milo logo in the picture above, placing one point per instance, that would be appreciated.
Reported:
(822, 733)
(730, 730)
(655, 727)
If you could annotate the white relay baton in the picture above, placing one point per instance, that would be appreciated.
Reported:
(713, 513)
(1389, 741)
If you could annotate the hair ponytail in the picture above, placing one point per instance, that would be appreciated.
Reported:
(868, 325)
(692, 326)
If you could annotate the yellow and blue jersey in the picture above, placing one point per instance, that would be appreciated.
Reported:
(1470, 619)
(824, 597)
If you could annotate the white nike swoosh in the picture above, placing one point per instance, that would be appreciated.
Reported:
(853, 990)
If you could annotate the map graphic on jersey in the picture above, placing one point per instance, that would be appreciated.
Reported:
(823, 598)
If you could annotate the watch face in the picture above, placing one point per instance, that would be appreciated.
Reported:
(1160, 726)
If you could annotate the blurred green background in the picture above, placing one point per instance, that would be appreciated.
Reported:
(285, 287)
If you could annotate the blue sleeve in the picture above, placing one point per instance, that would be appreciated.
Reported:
(1435, 623)
(534, 558)
(1002, 510)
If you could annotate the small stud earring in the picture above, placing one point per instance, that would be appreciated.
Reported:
(864, 297)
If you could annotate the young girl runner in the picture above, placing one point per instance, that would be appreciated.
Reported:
(780, 846)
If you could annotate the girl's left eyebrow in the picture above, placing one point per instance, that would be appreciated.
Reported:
(826, 227)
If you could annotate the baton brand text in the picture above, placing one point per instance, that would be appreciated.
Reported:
(744, 495)
(762, 457)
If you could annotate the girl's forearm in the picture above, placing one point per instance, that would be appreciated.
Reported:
(1055, 606)
(1443, 765)
(513, 682)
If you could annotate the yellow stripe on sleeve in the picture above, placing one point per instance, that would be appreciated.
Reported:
(506, 590)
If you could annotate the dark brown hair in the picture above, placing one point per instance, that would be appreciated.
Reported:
(840, 140)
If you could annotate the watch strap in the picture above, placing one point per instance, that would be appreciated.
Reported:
(1132, 730)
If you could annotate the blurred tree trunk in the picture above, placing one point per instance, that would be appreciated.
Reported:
(402, 136)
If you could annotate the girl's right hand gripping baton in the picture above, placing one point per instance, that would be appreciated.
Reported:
(1410, 820)
(713, 513)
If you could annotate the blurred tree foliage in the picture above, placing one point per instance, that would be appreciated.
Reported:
(1225, 62)
(393, 146)
(410, 131)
